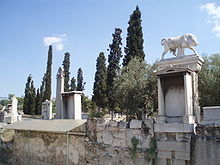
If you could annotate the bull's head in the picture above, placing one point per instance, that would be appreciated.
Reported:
(193, 41)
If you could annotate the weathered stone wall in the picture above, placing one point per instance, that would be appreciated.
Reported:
(109, 142)
(206, 145)
(105, 142)
(47, 148)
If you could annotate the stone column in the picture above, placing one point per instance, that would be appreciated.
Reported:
(188, 117)
(161, 108)
(59, 90)
(14, 105)
(77, 106)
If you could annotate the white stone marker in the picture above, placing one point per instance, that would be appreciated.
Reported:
(46, 110)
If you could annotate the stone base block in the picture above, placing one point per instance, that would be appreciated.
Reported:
(182, 155)
(136, 124)
(164, 154)
(194, 62)
(174, 146)
(189, 119)
(19, 117)
(10, 119)
(178, 162)
(173, 127)
(160, 161)
(160, 119)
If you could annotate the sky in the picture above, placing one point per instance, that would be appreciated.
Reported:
(84, 29)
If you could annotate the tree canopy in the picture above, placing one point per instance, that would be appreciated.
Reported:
(134, 41)
(47, 92)
(136, 89)
(113, 66)
(80, 82)
(100, 85)
(66, 67)
(209, 81)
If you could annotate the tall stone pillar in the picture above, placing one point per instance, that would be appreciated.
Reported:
(161, 108)
(14, 105)
(59, 90)
(188, 88)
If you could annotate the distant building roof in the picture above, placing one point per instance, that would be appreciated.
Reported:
(56, 126)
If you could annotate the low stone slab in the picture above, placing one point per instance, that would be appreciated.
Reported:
(136, 124)
(182, 155)
(174, 146)
(173, 127)
(178, 162)
(164, 154)
(161, 161)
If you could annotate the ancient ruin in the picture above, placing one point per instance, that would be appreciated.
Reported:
(178, 135)
(68, 104)
(46, 112)
(9, 114)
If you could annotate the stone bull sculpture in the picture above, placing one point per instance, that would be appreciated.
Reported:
(180, 43)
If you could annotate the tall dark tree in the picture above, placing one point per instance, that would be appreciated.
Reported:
(42, 87)
(38, 102)
(32, 96)
(47, 92)
(134, 41)
(113, 66)
(66, 67)
(73, 84)
(100, 85)
(27, 95)
(80, 83)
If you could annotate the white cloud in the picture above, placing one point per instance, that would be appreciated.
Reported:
(59, 47)
(55, 40)
(214, 11)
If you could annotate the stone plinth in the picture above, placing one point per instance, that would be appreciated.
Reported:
(178, 89)
(173, 127)
(46, 110)
(211, 115)
(193, 62)
(72, 106)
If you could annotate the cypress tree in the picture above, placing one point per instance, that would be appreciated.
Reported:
(31, 100)
(80, 83)
(100, 84)
(66, 67)
(27, 95)
(42, 87)
(38, 102)
(73, 84)
(47, 92)
(134, 40)
(113, 66)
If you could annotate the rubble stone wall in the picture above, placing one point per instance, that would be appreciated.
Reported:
(206, 145)
(109, 142)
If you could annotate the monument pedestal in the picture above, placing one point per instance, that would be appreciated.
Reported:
(178, 106)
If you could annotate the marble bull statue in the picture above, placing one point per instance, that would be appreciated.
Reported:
(180, 43)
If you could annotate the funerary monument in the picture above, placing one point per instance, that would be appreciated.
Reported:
(46, 110)
(12, 115)
(177, 100)
(68, 104)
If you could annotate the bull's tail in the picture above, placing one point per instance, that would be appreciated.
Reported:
(162, 41)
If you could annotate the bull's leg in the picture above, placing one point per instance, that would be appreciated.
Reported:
(174, 52)
(180, 52)
(164, 52)
(193, 50)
